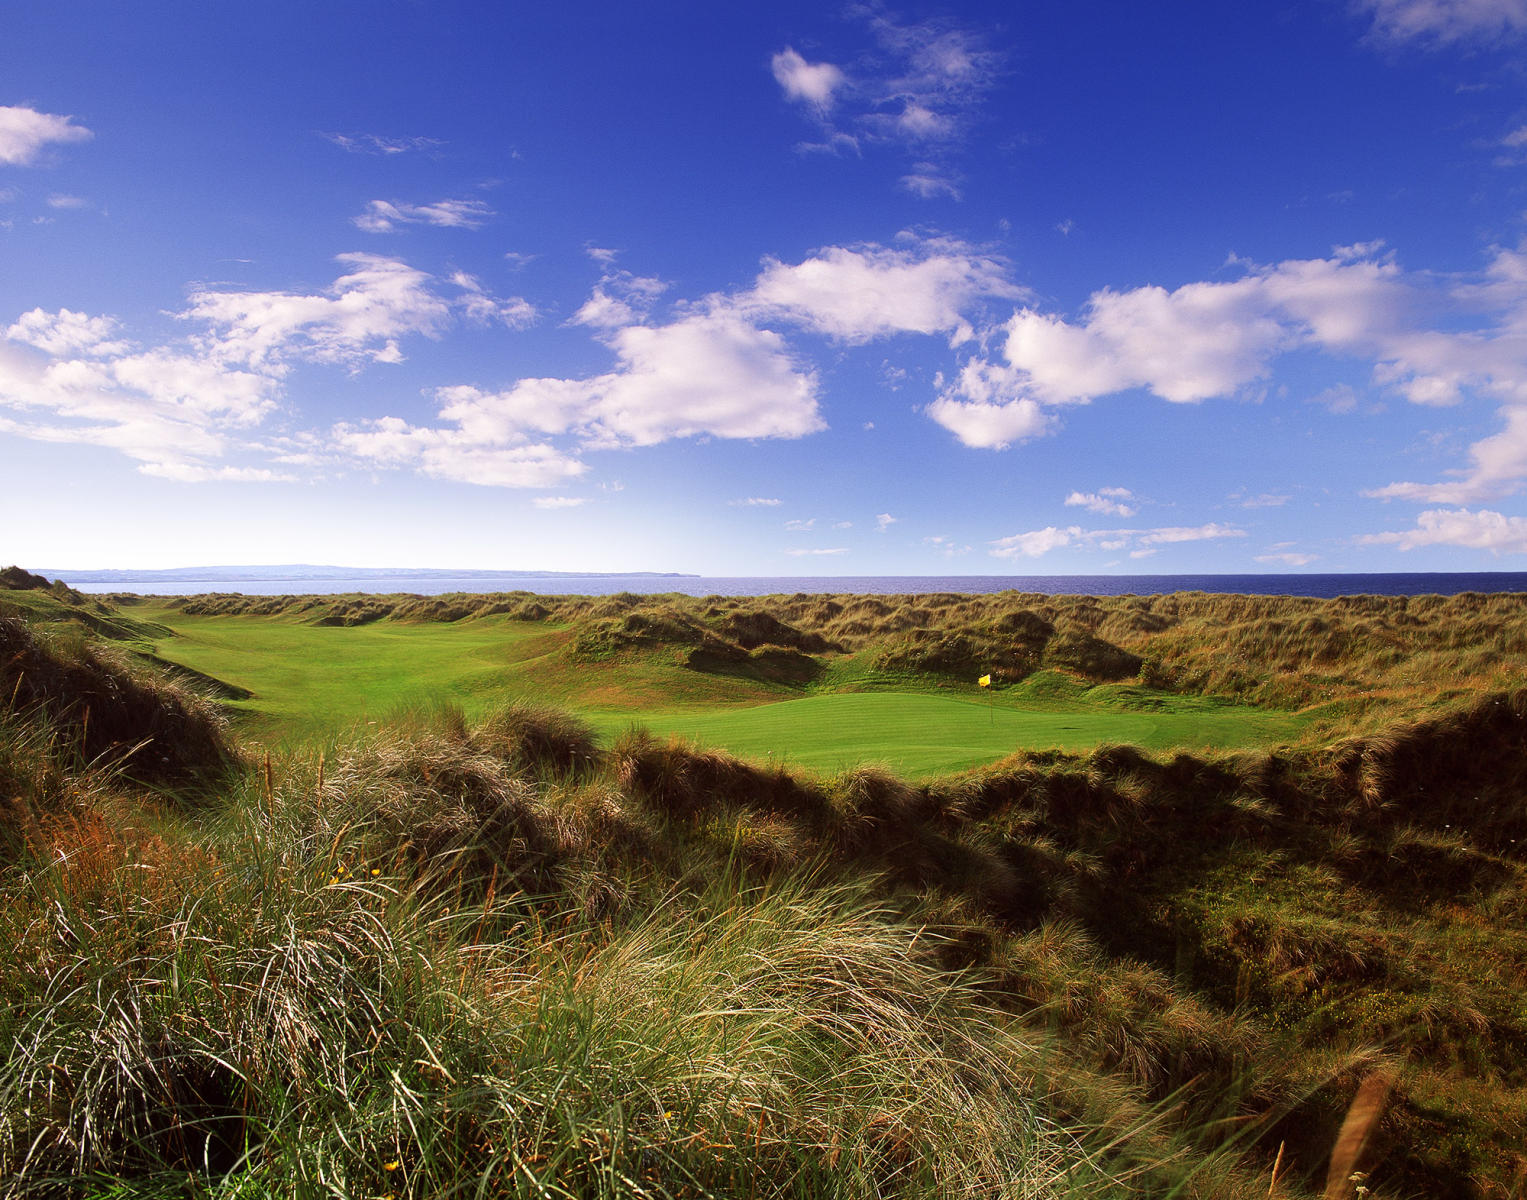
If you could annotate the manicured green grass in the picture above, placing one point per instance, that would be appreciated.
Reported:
(920, 736)
(311, 681)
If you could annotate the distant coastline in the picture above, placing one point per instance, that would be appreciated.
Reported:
(305, 572)
(331, 581)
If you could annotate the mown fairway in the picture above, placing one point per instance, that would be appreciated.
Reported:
(311, 682)
(919, 736)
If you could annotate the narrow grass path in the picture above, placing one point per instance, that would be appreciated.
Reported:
(919, 736)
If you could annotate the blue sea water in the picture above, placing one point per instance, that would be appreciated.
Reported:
(434, 584)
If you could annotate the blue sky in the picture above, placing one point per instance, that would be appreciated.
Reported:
(775, 289)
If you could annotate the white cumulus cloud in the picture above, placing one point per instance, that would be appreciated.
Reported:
(861, 293)
(1215, 339)
(358, 319)
(67, 332)
(620, 298)
(184, 408)
(1477, 530)
(1109, 501)
(809, 83)
(24, 132)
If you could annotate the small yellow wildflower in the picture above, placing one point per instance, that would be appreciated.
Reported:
(391, 1166)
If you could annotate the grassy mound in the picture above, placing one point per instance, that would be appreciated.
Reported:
(96, 701)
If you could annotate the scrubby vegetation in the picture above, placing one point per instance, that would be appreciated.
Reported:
(493, 955)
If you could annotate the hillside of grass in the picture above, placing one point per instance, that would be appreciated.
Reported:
(305, 670)
(493, 954)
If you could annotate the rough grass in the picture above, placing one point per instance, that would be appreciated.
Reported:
(263, 1003)
(479, 954)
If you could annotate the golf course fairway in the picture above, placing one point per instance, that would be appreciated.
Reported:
(309, 682)
(918, 736)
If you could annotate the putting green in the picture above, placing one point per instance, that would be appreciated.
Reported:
(919, 735)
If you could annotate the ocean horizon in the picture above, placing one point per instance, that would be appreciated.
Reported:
(378, 582)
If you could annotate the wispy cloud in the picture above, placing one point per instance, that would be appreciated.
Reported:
(25, 133)
(1260, 500)
(371, 143)
(482, 307)
(928, 182)
(918, 85)
(1445, 22)
(798, 553)
(385, 216)
(553, 502)
(756, 502)
(359, 319)
(1288, 558)
(1140, 542)
(946, 546)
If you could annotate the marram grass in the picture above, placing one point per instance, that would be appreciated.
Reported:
(308, 1027)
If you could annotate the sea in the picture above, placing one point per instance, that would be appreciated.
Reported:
(311, 581)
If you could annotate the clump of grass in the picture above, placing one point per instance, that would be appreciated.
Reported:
(539, 739)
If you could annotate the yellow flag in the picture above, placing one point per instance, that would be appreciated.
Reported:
(984, 681)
